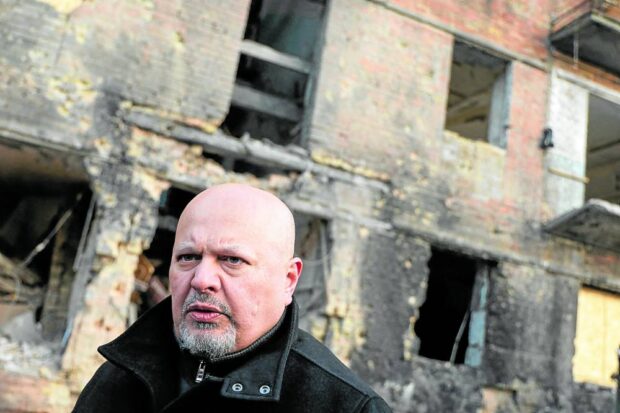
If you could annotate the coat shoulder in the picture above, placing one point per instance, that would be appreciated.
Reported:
(318, 354)
(325, 376)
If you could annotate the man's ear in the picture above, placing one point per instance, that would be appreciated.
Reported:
(295, 266)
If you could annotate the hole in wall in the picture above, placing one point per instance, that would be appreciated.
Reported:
(443, 324)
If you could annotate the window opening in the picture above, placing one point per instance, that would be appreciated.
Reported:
(478, 96)
(273, 75)
(44, 209)
(451, 321)
(603, 150)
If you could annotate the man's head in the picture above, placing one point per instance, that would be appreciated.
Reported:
(232, 271)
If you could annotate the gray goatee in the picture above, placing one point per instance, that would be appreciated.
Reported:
(204, 344)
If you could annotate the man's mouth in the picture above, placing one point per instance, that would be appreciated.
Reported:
(205, 313)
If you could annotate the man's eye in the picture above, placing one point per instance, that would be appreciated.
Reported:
(188, 257)
(232, 260)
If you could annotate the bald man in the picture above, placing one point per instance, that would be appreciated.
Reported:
(227, 339)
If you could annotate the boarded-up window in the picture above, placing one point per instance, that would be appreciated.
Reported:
(597, 337)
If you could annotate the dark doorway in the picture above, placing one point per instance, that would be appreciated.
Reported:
(443, 325)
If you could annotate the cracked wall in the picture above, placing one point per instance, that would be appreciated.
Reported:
(136, 92)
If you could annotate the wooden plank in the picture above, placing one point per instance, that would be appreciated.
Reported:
(268, 54)
(8, 266)
(252, 99)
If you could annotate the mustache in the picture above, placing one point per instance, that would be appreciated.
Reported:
(208, 299)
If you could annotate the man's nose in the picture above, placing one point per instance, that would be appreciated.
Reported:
(207, 276)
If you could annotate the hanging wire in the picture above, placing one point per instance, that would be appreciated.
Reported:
(42, 245)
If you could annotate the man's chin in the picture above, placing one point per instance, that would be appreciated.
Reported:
(204, 334)
(209, 341)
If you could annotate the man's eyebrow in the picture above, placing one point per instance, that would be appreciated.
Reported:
(234, 249)
(185, 245)
(224, 249)
(231, 248)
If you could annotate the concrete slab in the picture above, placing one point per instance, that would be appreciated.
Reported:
(596, 223)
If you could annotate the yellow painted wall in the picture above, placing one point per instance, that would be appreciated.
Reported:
(597, 338)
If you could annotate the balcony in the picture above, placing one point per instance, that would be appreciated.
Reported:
(597, 223)
(590, 32)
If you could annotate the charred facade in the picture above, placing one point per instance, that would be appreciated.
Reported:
(453, 168)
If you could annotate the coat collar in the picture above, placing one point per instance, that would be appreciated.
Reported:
(148, 349)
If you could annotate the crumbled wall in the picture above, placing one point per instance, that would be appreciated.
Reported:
(589, 397)
(379, 168)
(124, 225)
(24, 393)
(156, 53)
(391, 303)
(531, 325)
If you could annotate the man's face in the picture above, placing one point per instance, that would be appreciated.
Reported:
(230, 277)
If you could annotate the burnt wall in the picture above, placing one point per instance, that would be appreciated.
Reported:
(531, 325)
(136, 91)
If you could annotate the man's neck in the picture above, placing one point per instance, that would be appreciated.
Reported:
(193, 369)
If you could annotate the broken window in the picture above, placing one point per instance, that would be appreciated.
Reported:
(597, 337)
(45, 204)
(151, 274)
(478, 97)
(603, 150)
(597, 222)
(273, 76)
(313, 246)
(451, 322)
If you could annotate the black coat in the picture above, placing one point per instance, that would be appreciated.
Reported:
(286, 371)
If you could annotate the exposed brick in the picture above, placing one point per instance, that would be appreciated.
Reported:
(377, 94)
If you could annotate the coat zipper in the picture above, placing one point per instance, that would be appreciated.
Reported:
(200, 374)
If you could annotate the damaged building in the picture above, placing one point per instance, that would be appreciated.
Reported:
(453, 167)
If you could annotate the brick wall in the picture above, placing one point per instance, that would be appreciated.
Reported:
(521, 26)
(528, 114)
(475, 193)
(382, 87)
(85, 56)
